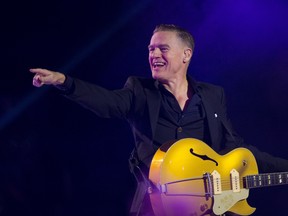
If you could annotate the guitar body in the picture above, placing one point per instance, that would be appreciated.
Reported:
(182, 173)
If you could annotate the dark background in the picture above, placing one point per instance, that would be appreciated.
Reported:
(57, 158)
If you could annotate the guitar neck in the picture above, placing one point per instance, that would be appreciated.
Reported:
(264, 180)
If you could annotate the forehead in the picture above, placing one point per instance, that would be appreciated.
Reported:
(164, 37)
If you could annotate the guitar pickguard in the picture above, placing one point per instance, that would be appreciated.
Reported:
(227, 199)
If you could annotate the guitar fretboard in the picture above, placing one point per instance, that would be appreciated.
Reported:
(267, 179)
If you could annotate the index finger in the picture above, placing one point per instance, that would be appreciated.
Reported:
(39, 71)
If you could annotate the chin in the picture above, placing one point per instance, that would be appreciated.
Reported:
(156, 77)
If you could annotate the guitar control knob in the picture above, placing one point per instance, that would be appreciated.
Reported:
(203, 207)
(244, 162)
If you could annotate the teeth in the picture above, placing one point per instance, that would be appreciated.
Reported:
(158, 64)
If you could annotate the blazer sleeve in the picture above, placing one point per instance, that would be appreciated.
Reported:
(103, 102)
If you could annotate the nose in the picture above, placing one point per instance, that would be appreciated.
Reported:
(155, 53)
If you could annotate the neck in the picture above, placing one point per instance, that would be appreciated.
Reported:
(178, 86)
(180, 89)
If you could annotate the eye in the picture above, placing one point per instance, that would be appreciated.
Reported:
(151, 49)
(164, 49)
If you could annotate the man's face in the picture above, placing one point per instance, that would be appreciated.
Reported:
(166, 56)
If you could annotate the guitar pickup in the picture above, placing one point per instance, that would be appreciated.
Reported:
(217, 187)
(235, 180)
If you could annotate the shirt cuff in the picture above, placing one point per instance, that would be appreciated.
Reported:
(67, 87)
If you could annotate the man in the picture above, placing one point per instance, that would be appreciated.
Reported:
(171, 106)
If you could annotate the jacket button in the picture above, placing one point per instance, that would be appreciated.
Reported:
(179, 129)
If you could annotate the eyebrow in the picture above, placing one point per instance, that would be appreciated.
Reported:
(160, 46)
(150, 46)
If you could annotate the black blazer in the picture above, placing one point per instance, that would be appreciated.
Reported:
(139, 101)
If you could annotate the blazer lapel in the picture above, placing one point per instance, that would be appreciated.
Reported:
(154, 102)
(213, 119)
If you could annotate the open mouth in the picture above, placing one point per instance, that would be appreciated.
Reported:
(158, 64)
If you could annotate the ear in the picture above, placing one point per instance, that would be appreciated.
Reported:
(187, 55)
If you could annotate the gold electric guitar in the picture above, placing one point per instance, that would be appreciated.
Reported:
(193, 180)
